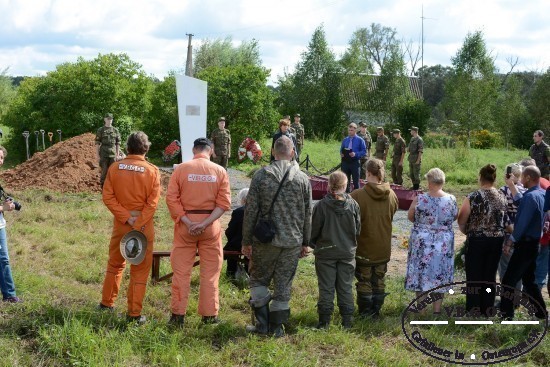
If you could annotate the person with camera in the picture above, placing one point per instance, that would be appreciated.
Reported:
(6, 279)
(276, 234)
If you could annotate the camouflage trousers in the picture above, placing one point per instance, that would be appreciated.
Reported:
(104, 163)
(298, 152)
(269, 263)
(414, 170)
(221, 160)
(363, 174)
(370, 278)
(335, 275)
(396, 172)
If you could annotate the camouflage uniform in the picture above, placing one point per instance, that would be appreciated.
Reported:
(222, 146)
(298, 130)
(277, 261)
(382, 146)
(399, 147)
(541, 154)
(368, 141)
(416, 146)
(107, 138)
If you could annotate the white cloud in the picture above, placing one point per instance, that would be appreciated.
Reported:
(36, 35)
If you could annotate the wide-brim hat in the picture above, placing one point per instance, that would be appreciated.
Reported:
(133, 247)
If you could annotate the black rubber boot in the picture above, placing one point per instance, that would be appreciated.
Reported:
(276, 321)
(377, 302)
(176, 320)
(347, 321)
(262, 320)
(324, 321)
(365, 304)
(416, 186)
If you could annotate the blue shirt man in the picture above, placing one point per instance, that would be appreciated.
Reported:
(353, 148)
(525, 241)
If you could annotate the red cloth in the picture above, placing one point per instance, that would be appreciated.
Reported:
(544, 183)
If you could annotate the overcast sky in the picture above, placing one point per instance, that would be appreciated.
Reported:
(37, 35)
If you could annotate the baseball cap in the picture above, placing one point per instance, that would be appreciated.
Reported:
(396, 131)
(108, 116)
(413, 128)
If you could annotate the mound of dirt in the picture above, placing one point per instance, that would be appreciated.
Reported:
(68, 166)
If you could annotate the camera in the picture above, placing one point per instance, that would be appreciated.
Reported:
(6, 197)
(508, 171)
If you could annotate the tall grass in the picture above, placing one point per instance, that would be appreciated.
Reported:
(59, 246)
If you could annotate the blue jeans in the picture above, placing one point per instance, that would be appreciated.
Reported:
(543, 262)
(6, 279)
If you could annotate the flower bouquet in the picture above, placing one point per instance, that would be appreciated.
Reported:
(171, 151)
(251, 149)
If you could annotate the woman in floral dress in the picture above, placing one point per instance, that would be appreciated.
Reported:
(431, 245)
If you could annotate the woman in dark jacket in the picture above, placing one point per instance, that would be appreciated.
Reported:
(483, 218)
(234, 234)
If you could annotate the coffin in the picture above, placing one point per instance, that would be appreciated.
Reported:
(319, 185)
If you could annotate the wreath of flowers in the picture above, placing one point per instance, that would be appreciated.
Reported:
(251, 149)
(171, 151)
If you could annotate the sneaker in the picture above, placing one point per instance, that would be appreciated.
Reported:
(13, 299)
(208, 320)
(176, 320)
(140, 320)
(102, 307)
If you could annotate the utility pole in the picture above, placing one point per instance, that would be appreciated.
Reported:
(422, 57)
(189, 63)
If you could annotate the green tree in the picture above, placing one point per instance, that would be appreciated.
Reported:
(413, 112)
(75, 96)
(434, 79)
(221, 53)
(314, 89)
(510, 109)
(162, 124)
(240, 93)
(7, 92)
(472, 90)
(370, 48)
(539, 108)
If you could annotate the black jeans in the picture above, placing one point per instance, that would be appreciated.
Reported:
(352, 169)
(481, 265)
(522, 267)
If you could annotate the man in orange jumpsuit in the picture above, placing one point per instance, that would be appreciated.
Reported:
(131, 192)
(198, 194)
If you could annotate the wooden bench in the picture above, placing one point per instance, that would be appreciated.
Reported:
(157, 255)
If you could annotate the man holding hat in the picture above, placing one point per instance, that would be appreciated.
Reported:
(399, 148)
(365, 135)
(416, 147)
(107, 139)
(221, 144)
(131, 192)
(197, 196)
(298, 130)
(382, 144)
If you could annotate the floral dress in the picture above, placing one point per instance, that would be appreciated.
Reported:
(430, 262)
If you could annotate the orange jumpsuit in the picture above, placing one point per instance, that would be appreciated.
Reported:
(197, 185)
(132, 186)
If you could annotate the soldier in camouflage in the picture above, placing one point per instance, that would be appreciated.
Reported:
(107, 139)
(540, 152)
(276, 261)
(363, 133)
(416, 148)
(382, 144)
(298, 130)
(399, 148)
(221, 141)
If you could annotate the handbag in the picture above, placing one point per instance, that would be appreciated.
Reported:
(264, 230)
